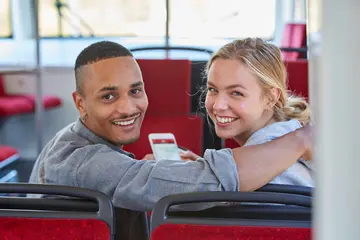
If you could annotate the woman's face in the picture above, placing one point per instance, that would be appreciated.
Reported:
(235, 101)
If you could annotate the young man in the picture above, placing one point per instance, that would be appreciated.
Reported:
(111, 99)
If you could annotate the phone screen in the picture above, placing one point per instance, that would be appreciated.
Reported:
(165, 149)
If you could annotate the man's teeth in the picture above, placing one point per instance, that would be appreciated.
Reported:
(124, 123)
(225, 119)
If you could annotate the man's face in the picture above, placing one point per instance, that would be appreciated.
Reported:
(113, 99)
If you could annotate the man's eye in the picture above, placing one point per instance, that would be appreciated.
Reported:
(135, 91)
(108, 96)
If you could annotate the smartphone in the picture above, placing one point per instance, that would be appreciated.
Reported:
(164, 146)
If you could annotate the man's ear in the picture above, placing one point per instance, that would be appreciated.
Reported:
(79, 103)
(273, 97)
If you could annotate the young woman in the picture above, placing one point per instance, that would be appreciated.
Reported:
(247, 99)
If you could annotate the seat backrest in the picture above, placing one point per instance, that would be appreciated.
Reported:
(7, 155)
(167, 85)
(188, 131)
(8, 159)
(82, 214)
(294, 36)
(264, 214)
(298, 79)
(42, 228)
(230, 143)
(187, 232)
(2, 87)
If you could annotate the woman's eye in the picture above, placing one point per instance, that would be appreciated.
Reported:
(210, 89)
(236, 93)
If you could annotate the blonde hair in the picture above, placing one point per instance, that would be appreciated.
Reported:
(264, 60)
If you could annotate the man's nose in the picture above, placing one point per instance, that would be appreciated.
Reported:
(126, 106)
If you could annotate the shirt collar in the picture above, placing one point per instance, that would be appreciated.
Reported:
(86, 133)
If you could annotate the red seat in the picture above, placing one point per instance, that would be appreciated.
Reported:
(49, 101)
(294, 36)
(187, 232)
(251, 215)
(89, 216)
(21, 104)
(13, 104)
(6, 152)
(298, 77)
(230, 143)
(167, 84)
(7, 155)
(35, 228)
(187, 130)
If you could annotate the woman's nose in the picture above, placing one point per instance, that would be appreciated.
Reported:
(220, 103)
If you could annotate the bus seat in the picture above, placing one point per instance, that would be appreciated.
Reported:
(189, 232)
(230, 143)
(49, 101)
(55, 218)
(298, 77)
(13, 104)
(167, 85)
(128, 224)
(294, 36)
(7, 155)
(8, 159)
(186, 128)
(34, 228)
(279, 212)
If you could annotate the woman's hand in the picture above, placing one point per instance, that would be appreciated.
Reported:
(148, 156)
(186, 156)
(189, 155)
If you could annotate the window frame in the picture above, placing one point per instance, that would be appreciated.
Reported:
(166, 31)
(10, 25)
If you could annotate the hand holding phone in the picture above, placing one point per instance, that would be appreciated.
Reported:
(164, 146)
(188, 155)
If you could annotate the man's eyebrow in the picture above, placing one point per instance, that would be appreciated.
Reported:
(137, 84)
(114, 88)
(108, 88)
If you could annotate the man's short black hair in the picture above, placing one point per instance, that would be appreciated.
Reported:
(96, 52)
